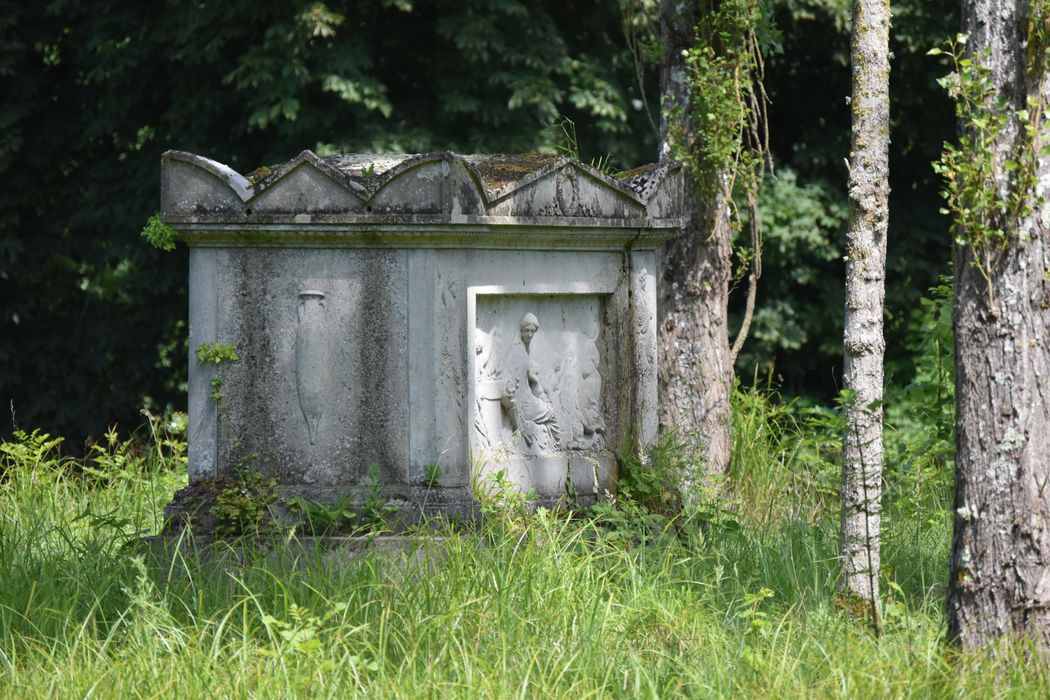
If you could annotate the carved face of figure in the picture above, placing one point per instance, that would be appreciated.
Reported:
(528, 325)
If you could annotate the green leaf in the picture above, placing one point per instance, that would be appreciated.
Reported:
(159, 234)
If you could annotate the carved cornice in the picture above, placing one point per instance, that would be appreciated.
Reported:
(434, 199)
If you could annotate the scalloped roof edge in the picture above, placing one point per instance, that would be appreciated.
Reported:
(497, 176)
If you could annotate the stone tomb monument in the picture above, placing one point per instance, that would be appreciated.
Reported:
(416, 324)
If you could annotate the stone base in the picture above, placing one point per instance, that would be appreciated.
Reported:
(567, 480)
(198, 507)
(571, 479)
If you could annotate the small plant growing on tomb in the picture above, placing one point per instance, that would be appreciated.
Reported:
(502, 503)
(369, 176)
(349, 515)
(242, 505)
(322, 520)
(566, 143)
(432, 475)
(159, 234)
(570, 490)
(216, 354)
(652, 481)
(376, 510)
(258, 175)
(622, 520)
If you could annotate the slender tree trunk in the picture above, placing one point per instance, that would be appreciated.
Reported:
(695, 369)
(1000, 565)
(863, 342)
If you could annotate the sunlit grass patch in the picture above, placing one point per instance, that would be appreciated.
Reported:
(736, 604)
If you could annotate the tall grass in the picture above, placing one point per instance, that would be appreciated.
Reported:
(741, 604)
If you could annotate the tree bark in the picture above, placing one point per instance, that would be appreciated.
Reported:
(863, 343)
(1000, 565)
(695, 370)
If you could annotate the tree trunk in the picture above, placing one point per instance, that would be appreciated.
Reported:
(1000, 565)
(863, 342)
(695, 370)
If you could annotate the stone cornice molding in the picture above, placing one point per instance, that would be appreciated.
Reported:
(432, 199)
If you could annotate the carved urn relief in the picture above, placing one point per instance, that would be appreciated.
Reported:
(312, 358)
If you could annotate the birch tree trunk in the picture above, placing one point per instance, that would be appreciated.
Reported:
(695, 370)
(1000, 564)
(863, 342)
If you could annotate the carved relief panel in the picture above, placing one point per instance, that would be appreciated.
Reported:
(538, 375)
(323, 368)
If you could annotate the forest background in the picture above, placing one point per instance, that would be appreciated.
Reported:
(736, 595)
(92, 319)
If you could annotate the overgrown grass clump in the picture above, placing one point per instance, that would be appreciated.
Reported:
(627, 602)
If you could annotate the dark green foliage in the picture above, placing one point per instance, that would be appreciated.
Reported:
(798, 324)
(797, 317)
(91, 318)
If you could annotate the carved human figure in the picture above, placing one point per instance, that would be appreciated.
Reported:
(525, 399)
(488, 389)
(590, 398)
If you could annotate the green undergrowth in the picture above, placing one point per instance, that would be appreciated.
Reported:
(738, 601)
